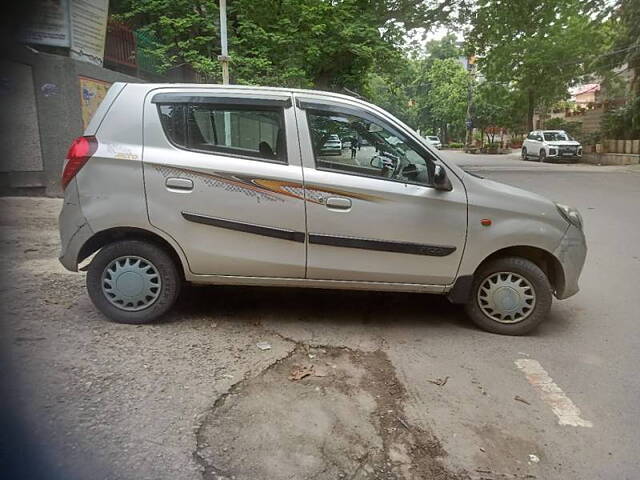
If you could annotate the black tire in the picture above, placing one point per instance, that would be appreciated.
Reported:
(543, 156)
(533, 274)
(524, 154)
(171, 281)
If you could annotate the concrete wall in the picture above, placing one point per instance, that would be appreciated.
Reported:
(40, 114)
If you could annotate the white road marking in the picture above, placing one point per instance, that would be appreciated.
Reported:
(552, 394)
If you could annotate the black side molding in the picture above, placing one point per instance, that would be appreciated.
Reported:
(218, 99)
(273, 232)
(381, 245)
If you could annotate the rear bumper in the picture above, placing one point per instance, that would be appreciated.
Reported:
(74, 228)
(571, 253)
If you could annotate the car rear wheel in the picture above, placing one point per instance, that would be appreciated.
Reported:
(524, 154)
(133, 281)
(510, 296)
(543, 156)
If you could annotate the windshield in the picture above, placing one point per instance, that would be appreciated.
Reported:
(556, 136)
(433, 139)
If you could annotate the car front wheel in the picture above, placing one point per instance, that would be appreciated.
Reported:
(133, 281)
(543, 156)
(524, 154)
(510, 296)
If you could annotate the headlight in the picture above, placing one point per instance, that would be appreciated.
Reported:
(570, 214)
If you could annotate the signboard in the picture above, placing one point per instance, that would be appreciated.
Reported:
(49, 24)
(89, 29)
(92, 92)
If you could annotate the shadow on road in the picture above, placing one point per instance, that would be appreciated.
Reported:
(328, 307)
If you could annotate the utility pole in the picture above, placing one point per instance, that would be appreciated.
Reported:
(471, 67)
(224, 58)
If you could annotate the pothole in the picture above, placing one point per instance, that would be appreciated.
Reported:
(344, 419)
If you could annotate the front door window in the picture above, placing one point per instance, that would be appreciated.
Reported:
(352, 144)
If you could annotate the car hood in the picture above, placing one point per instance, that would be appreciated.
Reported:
(505, 200)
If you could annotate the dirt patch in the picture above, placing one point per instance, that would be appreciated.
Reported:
(344, 420)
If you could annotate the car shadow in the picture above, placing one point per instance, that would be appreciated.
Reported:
(318, 306)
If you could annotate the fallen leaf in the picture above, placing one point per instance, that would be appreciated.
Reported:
(300, 371)
(440, 381)
(518, 398)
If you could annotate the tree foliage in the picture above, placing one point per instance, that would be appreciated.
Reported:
(539, 47)
(428, 88)
(303, 43)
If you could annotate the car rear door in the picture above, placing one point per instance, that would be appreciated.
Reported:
(223, 177)
(364, 225)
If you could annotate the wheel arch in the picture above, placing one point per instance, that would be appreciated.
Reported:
(545, 260)
(111, 235)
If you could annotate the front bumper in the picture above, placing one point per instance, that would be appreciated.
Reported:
(571, 253)
(559, 154)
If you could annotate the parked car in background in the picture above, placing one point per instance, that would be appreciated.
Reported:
(244, 196)
(434, 140)
(551, 144)
(333, 146)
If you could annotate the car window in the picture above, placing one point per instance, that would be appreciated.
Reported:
(367, 149)
(555, 136)
(237, 130)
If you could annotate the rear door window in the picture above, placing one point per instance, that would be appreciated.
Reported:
(257, 132)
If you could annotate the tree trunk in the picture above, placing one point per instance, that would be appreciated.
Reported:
(530, 110)
(321, 82)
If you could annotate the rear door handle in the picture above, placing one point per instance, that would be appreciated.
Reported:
(338, 203)
(181, 184)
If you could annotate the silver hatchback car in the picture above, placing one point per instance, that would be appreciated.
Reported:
(211, 184)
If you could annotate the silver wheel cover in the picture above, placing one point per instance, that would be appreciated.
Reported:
(131, 283)
(506, 297)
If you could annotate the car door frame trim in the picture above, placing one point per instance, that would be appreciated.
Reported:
(281, 233)
(218, 99)
(381, 245)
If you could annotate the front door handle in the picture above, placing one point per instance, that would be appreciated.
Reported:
(181, 184)
(338, 203)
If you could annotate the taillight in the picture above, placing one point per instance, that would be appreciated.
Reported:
(80, 151)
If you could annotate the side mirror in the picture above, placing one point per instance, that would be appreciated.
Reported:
(440, 179)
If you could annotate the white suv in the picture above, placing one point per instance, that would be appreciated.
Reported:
(551, 144)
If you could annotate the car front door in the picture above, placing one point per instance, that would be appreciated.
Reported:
(372, 213)
(223, 177)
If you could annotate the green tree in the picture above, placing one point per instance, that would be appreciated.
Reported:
(539, 47)
(405, 91)
(623, 121)
(498, 106)
(324, 44)
(447, 96)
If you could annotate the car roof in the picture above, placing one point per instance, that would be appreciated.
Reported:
(249, 89)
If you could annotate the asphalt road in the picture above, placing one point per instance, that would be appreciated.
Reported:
(398, 385)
